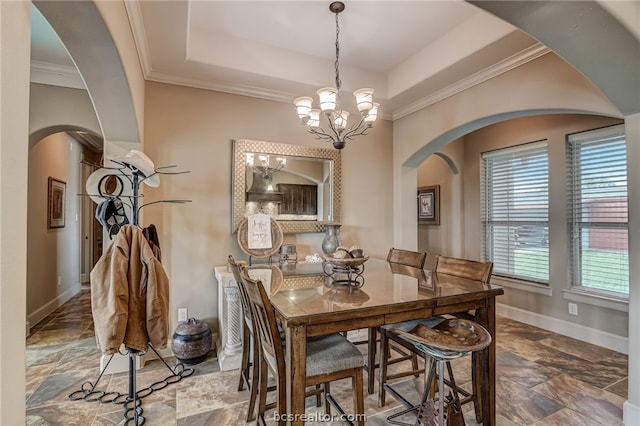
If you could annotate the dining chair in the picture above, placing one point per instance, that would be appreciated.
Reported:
(415, 259)
(250, 345)
(329, 358)
(411, 259)
(455, 267)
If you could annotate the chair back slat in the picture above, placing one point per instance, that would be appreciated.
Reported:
(464, 268)
(265, 321)
(244, 298)
(414, 259)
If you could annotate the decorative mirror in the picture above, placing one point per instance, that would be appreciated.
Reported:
(298, 186)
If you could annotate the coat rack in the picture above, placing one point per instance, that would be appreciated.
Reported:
(132, 400)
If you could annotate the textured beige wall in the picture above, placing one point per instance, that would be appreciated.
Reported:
(52, 108)
(14, 136)
(446, 238)
(554, 128)
(52, 253)
(193, 129)
(547, 84)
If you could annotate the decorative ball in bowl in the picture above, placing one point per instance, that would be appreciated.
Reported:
(344, 258)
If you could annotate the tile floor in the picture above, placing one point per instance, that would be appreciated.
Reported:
(542, 379)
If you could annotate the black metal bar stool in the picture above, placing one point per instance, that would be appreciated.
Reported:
(450, 339)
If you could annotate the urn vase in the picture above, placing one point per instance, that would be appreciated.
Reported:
(331, 239)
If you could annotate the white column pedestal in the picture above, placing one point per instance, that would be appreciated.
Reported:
(229, 342)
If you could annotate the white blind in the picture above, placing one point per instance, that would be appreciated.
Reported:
(515, 211)
(598, 210)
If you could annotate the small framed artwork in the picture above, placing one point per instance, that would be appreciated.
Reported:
(429, 205)
(55, 203)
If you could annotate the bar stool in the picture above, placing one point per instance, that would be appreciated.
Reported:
(450, 339)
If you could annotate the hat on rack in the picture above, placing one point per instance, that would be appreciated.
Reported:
(139, 160)
(107, 183)
(111, 215)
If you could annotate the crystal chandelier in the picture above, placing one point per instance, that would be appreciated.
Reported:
(329, 98)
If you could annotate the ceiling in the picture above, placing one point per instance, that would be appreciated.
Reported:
(412, 53)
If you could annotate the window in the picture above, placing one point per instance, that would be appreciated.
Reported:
(515, 211)
(598, 219)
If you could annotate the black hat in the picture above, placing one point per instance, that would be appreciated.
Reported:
(110, 213)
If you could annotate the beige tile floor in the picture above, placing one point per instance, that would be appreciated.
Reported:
(542, 379)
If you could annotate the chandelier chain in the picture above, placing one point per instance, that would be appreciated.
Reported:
(338, 81)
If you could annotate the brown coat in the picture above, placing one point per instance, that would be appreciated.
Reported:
(130, 295)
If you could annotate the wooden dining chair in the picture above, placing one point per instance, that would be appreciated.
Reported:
(460, 268)
(410, 259)
(250, 345)
(329, 358)
(414, 259)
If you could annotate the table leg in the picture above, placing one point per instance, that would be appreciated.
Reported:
(485, 365)
(296, 365)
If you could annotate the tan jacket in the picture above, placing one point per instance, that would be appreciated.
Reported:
(130, 295)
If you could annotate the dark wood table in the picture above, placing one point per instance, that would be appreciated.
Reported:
(308, 305)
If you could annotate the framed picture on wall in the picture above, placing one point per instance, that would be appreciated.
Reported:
(429, 205)
(55, 203)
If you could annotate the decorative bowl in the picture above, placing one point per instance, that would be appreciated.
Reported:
(347, 262)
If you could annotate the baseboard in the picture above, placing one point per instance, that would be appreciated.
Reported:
(630, 414)
(566, 328)
(118, 364)
(39, 314)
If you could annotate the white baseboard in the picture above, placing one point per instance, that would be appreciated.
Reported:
(566, 328)
(630, 414)
(39, 314)
(119, 363)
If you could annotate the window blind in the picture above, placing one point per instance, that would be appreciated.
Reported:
(598, 210)
(515, 211)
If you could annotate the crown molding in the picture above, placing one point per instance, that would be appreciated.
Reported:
(254, 92)
(527, 55)
(56, 75)
(139, 36)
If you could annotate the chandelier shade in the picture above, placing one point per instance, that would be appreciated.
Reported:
(264, 164)
(338, 130)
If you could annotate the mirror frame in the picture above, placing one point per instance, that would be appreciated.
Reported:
(238, 172)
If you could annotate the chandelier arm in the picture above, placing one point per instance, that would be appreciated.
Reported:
(357, 130)
(321, 134)
(332, 125)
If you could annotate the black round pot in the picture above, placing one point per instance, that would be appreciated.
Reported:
(191, 341)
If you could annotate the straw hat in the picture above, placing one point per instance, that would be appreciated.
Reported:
(139, 160)
(108, 183)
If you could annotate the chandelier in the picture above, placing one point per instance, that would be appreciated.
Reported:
(329, 98)
(265, 166)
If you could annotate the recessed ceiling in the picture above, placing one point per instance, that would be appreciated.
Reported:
(408, 52)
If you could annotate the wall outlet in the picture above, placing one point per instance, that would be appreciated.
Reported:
(182, 314)
(59, 281)
(573, 309)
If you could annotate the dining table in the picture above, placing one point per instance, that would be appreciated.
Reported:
(314, 299)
